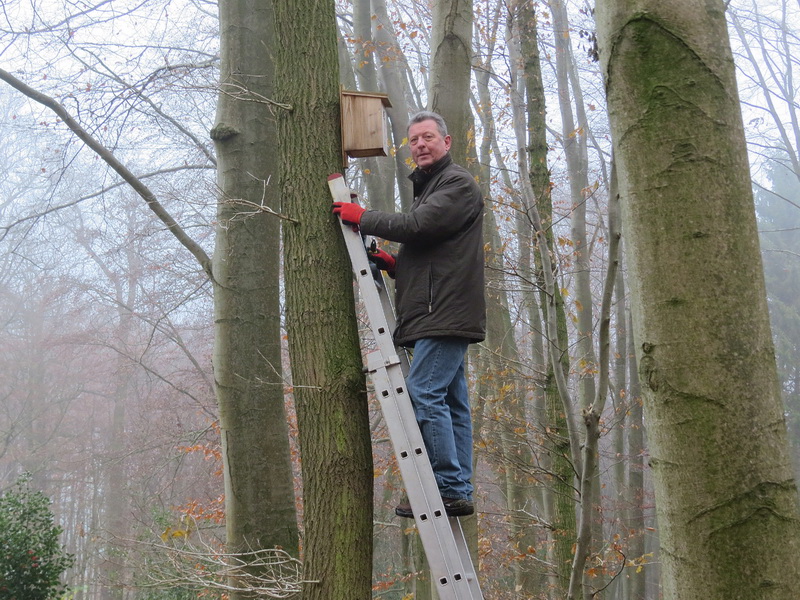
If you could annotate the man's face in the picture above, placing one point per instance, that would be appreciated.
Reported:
(427, 144)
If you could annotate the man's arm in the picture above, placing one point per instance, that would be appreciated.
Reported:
(454, 204)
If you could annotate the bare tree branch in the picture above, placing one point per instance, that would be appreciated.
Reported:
(146, 194)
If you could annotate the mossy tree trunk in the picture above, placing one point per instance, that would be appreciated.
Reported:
(726, 496)
(327, 377)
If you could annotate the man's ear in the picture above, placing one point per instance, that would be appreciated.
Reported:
(447, 141)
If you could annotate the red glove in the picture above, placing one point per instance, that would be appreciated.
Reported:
(348, 212)
(383, 260)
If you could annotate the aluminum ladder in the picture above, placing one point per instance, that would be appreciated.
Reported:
(442, 536)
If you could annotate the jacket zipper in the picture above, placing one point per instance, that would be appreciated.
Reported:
(430, 289)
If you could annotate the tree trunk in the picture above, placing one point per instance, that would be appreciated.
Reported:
(327, 375)
(636, 492)
(508, 400)
(557, 408)
(574, 141)
(451, 67)
(590, 477)
(117, 497)
(378, 173)
(621, 398)
(259, 492)
(391, 69)
(725, 493)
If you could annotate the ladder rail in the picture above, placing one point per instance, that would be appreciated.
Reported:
(442, 537)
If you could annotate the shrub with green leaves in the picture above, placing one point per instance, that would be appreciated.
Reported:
(31, 557)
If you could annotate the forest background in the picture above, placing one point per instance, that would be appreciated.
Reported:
(107, 390)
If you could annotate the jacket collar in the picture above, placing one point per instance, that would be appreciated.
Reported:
(421, 178)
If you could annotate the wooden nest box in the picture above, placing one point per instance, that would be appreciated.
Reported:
(363, 124)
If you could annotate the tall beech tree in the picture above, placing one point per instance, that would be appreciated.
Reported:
(726, 496)
(560, 504)
(259, 491)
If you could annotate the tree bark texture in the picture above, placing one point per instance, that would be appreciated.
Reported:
(327, 375)
(725, 493)
(259, 491)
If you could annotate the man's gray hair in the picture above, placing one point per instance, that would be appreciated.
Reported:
(427, 115)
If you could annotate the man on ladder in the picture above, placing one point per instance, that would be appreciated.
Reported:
(439, 301)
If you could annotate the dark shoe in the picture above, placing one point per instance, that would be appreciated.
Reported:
(458, 507)
(453, 507)
(404, 510)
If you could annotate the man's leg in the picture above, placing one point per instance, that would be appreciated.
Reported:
(436, 364)
(457, 400)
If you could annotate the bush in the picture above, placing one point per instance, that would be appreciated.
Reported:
(31, 557)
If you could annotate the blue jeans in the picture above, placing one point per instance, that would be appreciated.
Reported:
(437, 386)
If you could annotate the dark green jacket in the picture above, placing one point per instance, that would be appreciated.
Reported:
(439, 280)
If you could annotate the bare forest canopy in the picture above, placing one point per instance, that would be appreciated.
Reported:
(107, 317)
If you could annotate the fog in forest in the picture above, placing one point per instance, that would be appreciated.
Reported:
(107, 321)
